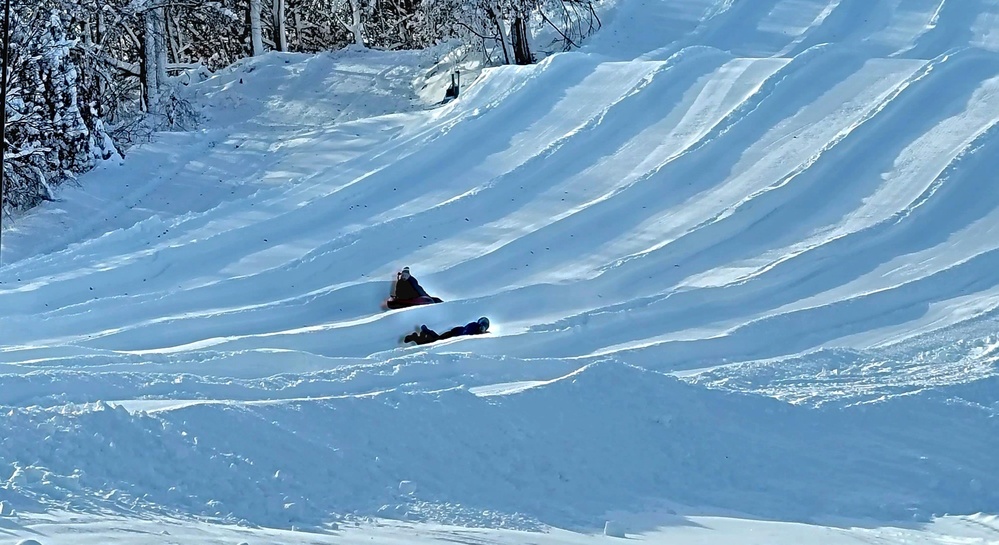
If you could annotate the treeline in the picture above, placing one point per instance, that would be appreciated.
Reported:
(89, 78)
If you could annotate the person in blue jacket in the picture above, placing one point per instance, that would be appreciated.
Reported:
(426, 335)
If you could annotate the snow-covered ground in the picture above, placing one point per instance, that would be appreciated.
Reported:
(741, 258)
(62, 528)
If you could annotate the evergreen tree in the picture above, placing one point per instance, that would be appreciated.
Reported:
(48, 137)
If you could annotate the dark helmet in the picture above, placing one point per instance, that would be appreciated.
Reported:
(484, 322)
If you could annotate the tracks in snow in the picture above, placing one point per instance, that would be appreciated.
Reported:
(704, 208)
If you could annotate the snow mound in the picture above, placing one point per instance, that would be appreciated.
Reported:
(608, 436)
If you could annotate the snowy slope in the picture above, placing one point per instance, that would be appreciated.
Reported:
(740, 256)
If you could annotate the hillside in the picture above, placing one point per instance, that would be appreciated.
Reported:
(740, 258)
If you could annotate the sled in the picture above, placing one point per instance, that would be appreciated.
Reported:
(393, 304)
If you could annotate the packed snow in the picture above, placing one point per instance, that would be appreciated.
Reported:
(741, 261)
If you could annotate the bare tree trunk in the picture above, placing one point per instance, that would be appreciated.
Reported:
(280, 28)
(99, 27)
(174, 35)
(256, 33)
(296, 24)
(99, 30)
(356, 27)
(500, 32)
(521, 44)
(161, 47)
(148, 68)
(88, 33)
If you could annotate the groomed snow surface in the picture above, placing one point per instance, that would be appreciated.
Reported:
(741, 258)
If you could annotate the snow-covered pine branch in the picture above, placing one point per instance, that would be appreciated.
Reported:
(46, 132)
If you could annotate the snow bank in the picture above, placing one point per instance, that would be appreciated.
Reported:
(608, 436)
